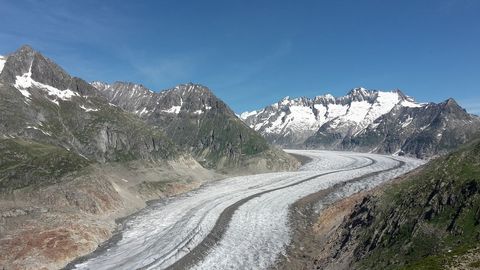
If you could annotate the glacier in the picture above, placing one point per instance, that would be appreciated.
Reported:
(168, 232)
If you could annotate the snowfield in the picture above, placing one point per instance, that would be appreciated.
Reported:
(239, 222)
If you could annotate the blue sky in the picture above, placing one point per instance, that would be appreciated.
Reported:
(252, 53)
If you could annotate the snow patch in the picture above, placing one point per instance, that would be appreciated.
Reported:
(173, 109)
(277, 124)
(25, 93)
(374, 125)
(285, 100)
(142, 112)
(2, 62)
(22, 83)
(410, 104)
(384, 104)
(357, 111)
(88, 109)
(100, 85)
(245, 115)
(407, 122)
(336, 110)
(39, 129)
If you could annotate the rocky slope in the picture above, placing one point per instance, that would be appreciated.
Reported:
(47, 226)
(423, 131)
(40, 101)
(365, 120)
(71, 161)
(196, 120)
(427, 219)
(43, 104)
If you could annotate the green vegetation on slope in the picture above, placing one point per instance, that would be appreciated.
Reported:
(426, 221)
(26, 163)
(217, 136)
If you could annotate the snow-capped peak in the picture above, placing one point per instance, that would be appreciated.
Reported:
(298, 118)
(359, 89)
(25, 81)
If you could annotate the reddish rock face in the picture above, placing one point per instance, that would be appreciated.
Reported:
(52, 226)
(50, 247)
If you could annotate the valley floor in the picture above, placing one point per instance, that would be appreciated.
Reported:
(242, 222)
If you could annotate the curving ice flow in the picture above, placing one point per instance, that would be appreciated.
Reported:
(239, 222)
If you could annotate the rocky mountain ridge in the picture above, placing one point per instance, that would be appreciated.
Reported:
(292, 121)
(41, 102)
(195, 119)
(365, 120)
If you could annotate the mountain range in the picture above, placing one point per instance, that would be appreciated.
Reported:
(75, 156)
(42, 103)
(365, 120)
(194, 118)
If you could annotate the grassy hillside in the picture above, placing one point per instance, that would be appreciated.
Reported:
(26, 163)
(424, 222)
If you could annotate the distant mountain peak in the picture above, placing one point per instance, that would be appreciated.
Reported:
(451, 105)
(356, 94)
(359, 90)
(43, 70)
(364, 120)
(451, 102)
(291, 120)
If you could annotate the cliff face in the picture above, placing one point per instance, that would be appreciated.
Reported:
(199, 123)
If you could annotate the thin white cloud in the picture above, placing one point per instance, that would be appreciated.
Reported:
(161, 69)
(242, 72)
(165, 71)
